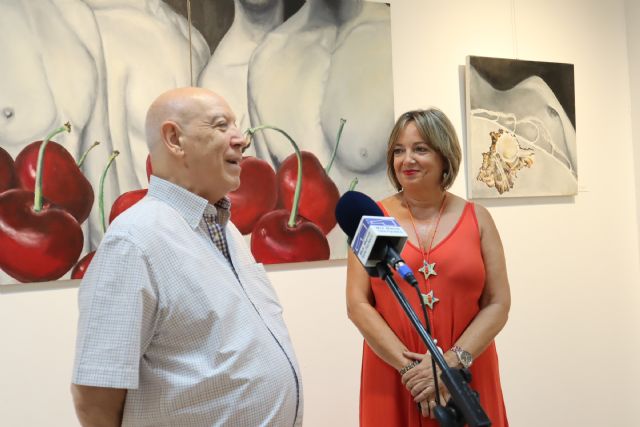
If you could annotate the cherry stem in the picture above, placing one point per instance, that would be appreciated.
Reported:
(296, 194)
(248, 134)
(101, 189)
(335, 148)
(353, 183)
(84, 156)
(37, 198)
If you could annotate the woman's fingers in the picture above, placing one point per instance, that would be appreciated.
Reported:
(420, 388)
(432, 407)
(424, 408)
(444, 393)
(412, 355)
(424, 394)
(427, 408)
(420, 371)
(418, 376)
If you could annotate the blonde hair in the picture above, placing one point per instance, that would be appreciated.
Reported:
(438, 131)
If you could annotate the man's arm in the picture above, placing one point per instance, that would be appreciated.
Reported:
(98, 406)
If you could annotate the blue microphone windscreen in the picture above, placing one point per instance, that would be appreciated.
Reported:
(351, 207)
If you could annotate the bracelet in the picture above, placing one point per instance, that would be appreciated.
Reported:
(409, 367)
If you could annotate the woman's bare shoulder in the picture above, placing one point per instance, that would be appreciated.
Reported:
(391, 203)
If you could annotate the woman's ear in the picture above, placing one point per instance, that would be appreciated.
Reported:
(170, 134)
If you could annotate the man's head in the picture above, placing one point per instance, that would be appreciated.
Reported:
(194, 142)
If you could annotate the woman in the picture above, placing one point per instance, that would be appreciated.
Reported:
(455, 251)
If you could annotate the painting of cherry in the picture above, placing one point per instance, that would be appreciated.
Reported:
(7, 171)
(125, 201)
(36, 246)
(319, 195)
(81, 267)
(256, 195)
(63, 181)
(39, 240)
(284, 236)
(275, 240)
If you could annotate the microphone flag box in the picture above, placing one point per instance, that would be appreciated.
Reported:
(372, 237)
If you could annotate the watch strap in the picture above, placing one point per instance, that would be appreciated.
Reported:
(464, 357)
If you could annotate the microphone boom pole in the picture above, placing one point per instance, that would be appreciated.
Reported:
(464, 405)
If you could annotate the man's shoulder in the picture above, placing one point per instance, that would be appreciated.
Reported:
(145, 221)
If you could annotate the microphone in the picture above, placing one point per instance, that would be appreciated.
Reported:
(373, 237)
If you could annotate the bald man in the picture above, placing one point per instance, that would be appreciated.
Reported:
(179, 326)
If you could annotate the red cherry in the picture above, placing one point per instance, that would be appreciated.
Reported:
(63, 183)
(149, 168)
(319, 195)
(7, 171)
(125, 201)
(36, 246)
(256, 195)
(273, 241)
(81, 267)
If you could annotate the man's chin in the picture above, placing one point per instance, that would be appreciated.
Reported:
(235, 185)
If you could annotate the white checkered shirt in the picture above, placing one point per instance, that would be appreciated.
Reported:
(163, 314)
(216, 218)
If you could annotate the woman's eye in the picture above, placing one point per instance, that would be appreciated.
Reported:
(397, 151)
(422, 149)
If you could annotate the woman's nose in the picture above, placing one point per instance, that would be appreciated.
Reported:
(408, 157)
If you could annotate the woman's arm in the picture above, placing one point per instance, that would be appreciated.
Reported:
(495, 301)
(382, 340)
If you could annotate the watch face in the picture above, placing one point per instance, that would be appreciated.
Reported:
(465, 358)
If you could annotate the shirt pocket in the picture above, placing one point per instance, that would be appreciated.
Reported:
(259, 288)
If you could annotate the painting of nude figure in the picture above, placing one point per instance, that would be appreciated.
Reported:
(521, 128)
(100, 63)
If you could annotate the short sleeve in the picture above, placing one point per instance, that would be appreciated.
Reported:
(117, 316)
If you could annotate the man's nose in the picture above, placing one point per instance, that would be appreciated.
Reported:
(238, 138)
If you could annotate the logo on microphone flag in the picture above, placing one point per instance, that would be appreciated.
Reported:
(370, 229)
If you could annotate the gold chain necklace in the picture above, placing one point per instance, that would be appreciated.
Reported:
(427, 269)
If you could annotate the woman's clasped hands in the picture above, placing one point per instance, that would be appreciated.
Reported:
(420, 383)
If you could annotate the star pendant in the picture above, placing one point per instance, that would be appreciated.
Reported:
(429, 299)
(428, 269)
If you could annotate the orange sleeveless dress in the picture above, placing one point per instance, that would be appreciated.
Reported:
(384, 401)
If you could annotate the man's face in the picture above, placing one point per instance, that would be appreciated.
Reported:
(212, 147)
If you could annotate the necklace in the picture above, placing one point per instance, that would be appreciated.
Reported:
(428, 269)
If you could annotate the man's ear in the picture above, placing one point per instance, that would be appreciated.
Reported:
(170, 134)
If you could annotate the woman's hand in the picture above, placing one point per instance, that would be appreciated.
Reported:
(420, 383)
(419, 379)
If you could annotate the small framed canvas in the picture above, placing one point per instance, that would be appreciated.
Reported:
(521, 128)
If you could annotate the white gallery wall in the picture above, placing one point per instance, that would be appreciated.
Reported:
(569, 351)
(633, 45)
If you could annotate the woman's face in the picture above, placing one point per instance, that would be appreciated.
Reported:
(415, 162)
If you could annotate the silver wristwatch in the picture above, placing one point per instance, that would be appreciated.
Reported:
(464, 357)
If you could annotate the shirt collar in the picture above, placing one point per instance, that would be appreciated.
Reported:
(220, 211)
(190, 206)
